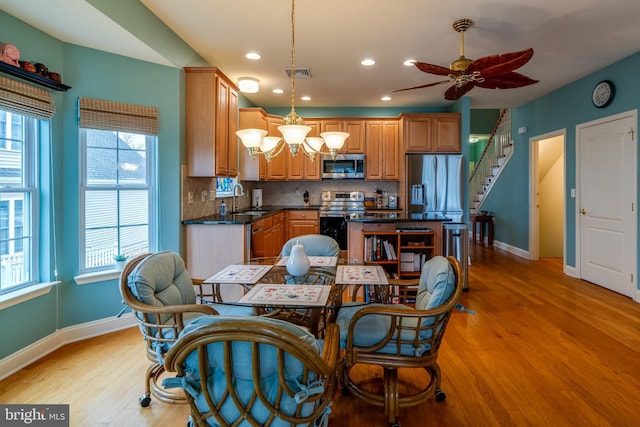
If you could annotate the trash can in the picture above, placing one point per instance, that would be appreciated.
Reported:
(456, 243)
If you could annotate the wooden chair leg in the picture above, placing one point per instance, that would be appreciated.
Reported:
(392, 397)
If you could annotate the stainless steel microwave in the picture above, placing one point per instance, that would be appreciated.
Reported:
(345, 166)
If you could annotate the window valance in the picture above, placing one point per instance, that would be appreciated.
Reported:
(26, 99)
(116, 116)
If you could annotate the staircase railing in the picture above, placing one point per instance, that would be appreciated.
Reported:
(497, 151)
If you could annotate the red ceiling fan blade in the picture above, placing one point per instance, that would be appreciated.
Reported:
(434, 69)
(494, 65)
(421, 86)
(506, 81)
(455, 92)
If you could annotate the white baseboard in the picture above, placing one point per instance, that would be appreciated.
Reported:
(511, 249)
(570, 271)
(29, 354)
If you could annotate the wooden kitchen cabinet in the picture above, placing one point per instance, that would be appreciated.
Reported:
(431, 133)
(301, 222)
(382, 150)
(211, 122)
(277, 167)
(268, 236)
(301, 167)
(354, 127)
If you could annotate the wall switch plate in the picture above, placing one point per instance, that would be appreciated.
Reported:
(190, 197)
(573, 193)
(522, 130)
(204, 195)
(212, 195)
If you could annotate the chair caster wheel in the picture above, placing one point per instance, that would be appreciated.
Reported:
(145, 400)
(440, 396)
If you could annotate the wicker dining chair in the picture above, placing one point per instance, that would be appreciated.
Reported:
(160, 293)
(397, 336)
(254, 371)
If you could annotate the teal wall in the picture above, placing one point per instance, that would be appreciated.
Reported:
(93, 74)
(562, 109)
(102, 75)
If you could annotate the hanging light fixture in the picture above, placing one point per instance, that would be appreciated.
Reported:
(294, 132)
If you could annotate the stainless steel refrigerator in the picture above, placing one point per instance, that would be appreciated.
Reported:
(434, 185)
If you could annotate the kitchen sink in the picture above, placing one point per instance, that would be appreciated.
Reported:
(251, 213)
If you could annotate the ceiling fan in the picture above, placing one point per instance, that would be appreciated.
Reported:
(490, 72)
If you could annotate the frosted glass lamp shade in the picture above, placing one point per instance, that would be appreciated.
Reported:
(315, 143)
(294, 134)
(269, 143)
(251, 138)
(334, 140)
(248, 85)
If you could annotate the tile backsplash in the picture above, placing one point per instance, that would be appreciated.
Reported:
(274, 193)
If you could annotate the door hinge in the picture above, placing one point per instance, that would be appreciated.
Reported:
(633, 134)
(631, 277)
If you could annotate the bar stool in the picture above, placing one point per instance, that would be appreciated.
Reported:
(482, 219)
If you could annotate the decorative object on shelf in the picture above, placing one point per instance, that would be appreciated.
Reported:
(603, 93)
(298, 263)
(9, 54)
(490, 72)
(120, 260)
(294, 133)
(305, 197)
(27, 71)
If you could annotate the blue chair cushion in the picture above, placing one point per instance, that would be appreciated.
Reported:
(437, 283)
(243, 382)
(162, 279)
(314, 245)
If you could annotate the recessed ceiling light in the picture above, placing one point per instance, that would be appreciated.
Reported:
(368, 62)
(386, 98)
(248, 85)
(253, 55)
(306, 98)
(474, 139)
(278, 91)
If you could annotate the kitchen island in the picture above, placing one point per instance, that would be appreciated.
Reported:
(400, 242)
(214, 241)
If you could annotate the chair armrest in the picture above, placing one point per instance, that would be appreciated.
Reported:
(331, 348)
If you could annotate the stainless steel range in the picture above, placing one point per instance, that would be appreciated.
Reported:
(336, 207)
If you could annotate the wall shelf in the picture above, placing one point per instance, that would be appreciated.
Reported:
(32, 77)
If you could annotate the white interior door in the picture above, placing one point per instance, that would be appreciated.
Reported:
(607, 214)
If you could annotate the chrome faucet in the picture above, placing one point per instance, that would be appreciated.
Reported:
(233, 191)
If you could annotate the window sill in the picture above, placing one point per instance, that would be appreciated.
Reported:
(16, 297)
(98, 276)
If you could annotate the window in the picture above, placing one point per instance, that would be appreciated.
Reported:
(117, 196)
(18, 193)
(224, 186)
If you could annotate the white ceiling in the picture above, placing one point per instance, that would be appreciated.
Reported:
(571, 38)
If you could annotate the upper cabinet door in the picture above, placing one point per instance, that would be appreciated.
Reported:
(211, 119)
(431, 133)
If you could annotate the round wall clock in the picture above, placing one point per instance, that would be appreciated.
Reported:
(603, 93)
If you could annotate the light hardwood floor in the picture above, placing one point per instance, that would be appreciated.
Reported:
(543, 349)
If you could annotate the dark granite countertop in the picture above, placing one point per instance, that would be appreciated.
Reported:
(397, 217)
(265, 211)
(243, 217)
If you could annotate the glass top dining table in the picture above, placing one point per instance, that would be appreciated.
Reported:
(310, 300)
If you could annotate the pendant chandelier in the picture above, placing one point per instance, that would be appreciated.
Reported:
(294, 132)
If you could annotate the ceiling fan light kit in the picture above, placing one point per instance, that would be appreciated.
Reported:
(294, 132)
(489, 72)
